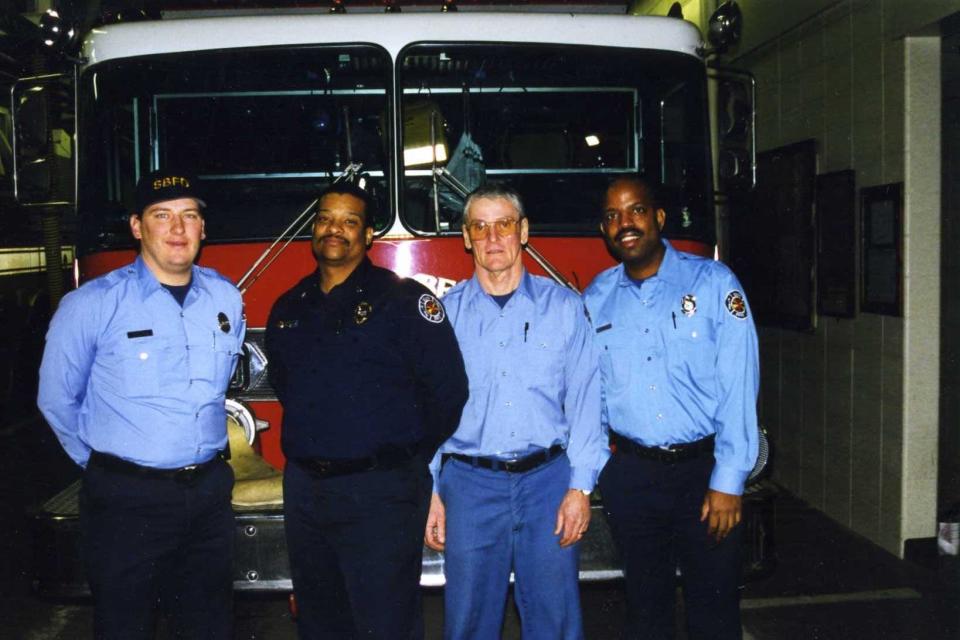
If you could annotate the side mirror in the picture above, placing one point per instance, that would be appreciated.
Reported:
(736, 129)
(725, 26)
(43, 140)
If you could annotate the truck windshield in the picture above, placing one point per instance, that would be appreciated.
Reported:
(264, 130)
(557, 123)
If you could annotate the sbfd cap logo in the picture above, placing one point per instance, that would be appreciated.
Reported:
(158, 186)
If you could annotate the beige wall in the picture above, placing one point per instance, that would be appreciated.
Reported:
(850, 405)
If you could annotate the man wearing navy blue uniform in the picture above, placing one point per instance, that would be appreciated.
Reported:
(680, 374)
(133, 383)
(513, 483)
(371, 381)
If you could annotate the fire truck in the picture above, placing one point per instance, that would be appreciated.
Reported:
(417, 107)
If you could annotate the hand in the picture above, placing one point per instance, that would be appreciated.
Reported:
(573, 517)
(723, 510)
(435, 535)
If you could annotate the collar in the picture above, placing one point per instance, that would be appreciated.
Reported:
(669, 269)
(149, 284)
(356, 281)
(474, 291)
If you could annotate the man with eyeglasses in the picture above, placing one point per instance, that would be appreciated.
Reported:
(680, 377)
(512, 485)
(371, 380)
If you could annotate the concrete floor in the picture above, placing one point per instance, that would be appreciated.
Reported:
(828, 583)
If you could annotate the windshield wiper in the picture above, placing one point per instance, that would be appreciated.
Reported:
(297, 226)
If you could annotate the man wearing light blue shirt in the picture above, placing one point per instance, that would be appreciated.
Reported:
(678, 358)
(133, 383)
(512, 484)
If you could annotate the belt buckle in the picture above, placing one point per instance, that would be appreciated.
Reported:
(668, 454)
(186, 474)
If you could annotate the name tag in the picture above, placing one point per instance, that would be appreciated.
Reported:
(143, 333)
(605, 327)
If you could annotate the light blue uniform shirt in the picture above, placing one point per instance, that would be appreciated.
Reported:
(532, 369)
(679, 360)
(127, 371)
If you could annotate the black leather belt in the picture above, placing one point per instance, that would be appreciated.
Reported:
(520, 465)
(183, 474)
(386, 458)
(672, 453)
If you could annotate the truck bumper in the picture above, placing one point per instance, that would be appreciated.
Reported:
(261, 564)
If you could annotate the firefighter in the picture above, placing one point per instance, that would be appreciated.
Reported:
(513, 489)
(133, 383)
(371, 380)
(680, 375)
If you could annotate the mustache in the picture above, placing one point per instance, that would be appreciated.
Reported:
(624, 232)
(334, 236)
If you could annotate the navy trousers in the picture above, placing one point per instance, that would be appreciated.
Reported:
(356, 547)
(654, 513)
(150, 541)
(498, 522)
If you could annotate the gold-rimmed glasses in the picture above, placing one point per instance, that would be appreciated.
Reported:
(479, 229)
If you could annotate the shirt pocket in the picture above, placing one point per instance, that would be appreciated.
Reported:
(226, 351)
(542, 365)
(617, 356)
(693, 349)
(141, 363)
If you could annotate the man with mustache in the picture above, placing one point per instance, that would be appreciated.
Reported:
(513, 483)
(371, 380)
(133, 382)
(680, 376)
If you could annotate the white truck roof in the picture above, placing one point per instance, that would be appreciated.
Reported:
(391, 31)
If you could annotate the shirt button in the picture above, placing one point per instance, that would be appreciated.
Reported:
(508, 403)
(649, 358)
(502, 344)
(693, 334)
(659, 416)
(653, 387)
(144, 355)
(646, 330)
(503, 373)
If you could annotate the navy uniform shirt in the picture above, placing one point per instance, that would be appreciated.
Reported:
(129, 372)
(372, 364)
(678, 360)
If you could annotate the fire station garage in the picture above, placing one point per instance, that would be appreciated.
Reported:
(836, 159)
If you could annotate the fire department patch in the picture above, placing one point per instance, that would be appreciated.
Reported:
(736, 305)
(362, 313)
(431, 309)
(688, 304)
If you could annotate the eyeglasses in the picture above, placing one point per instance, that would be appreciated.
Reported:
(477, 230)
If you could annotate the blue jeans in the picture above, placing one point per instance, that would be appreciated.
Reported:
(498, 522)
(654, 513)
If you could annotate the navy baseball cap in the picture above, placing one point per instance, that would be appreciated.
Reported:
(158, 186)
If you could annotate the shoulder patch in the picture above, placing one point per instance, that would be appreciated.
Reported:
(430, 308)
(736, 305)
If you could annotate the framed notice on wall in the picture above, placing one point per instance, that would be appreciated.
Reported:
(880, 255)
(836, 205)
